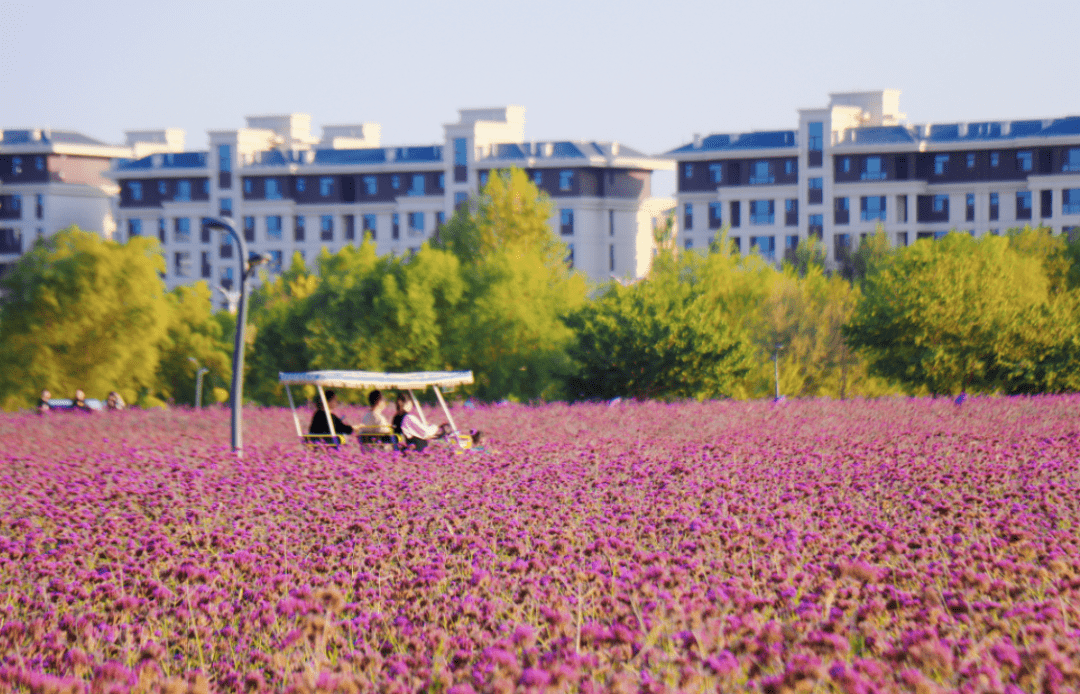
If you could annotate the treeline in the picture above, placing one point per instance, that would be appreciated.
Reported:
(493, 293)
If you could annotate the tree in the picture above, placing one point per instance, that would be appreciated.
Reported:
(193, 333)
(933, 314)
(82, 312)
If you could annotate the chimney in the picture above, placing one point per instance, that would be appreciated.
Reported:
(697, 140)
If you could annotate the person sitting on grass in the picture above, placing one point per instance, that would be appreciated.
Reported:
(43, 404)
(78, 403)
(320, 425)
(411, 428)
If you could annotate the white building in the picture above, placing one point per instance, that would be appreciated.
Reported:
(49, 180)
(856, 164)
(289, 191)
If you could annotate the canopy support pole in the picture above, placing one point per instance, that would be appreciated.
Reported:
(446, 411)
(292, 406)
(326, 410)
(416, 404)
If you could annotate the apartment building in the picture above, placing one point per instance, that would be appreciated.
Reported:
(287, 191)
(49, 180)
(856, 164)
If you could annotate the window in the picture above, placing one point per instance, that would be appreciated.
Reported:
(205, 257)
(815, 195)
(815, 224)
(841, 245)
(39, 163)
(460, 198)
(872, 170)
(969, 214)
(395, 226)
(273, 189)
(872, 208)
(688, 171)
(326, 227)
(225, 249)
(971, 160)
(369, 223)
(182, 264)
(395, 182)
(1023, 204)
(791, 212)
(845, 164)
(273, 227)
(815, 141)
(161, 229)
(440, 219)
(762, 211)
(1023, 161)
(993, 206)
(941, 203)
(538, 178)
(901, 208)
(227, 274)
(275, 262)
(611, 222)
(995, 159)
(566, 222)
(765, 245)
(688, 216)
(716, 212)
(461, 151)
(483, 179)
(841, 211)
(570, 255)
(135, 190)
(442, 181)
(249, 229)
(716, 172)
(418, 185)
(791, 243)
(688, 244)
(299, 231)
(134, 228)
(789, 167)
(566, 180)
(204, 233)
(301, 184)
(736, 213)
(1070, 201)
(326, 186)
(162, 188)
(371, 185)
(182, 230)
(247, 186)
(941, 164)
(225, 207)
(762, 173)
(611, 257)
(350, 227)
(416, 222)
(16, 166)
(1072, 160)
(224, 153)
(183, 191)
(1046, 206)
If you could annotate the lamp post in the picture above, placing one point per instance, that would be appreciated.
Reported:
(247, 267)
(201, 370)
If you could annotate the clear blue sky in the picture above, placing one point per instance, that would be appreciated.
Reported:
(646, 73)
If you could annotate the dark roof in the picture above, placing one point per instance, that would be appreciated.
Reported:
(65, 137)
(769, 139)
(566, 149)
(373, 155)
(881, 135)
(169, 160)
(1063, 126)
(429, 153)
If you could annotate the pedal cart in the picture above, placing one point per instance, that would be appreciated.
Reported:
(371, 380)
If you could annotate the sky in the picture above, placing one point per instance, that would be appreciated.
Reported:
(649, 74)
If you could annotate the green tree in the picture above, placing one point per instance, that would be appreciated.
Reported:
(82, 312)
(932, 315)
(193, 333)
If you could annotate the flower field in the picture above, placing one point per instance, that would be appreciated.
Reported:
(903, 545)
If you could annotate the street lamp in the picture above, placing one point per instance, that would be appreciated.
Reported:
(236, 395)
(198, 381)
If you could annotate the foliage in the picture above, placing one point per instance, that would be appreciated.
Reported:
(193, 333)
(82, 312)
(934, 314)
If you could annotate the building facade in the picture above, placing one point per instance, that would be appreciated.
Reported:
(49, 180)
(288, 191)
(856, 164)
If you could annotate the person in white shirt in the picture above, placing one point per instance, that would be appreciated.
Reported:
(374, 417)
(411, 427)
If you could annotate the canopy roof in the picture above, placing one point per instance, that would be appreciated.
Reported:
(373, 379)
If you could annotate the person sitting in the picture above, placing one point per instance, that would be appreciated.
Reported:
(413, 429)
(374, 429)
(43, 404)
(78, 403)
(114, 402)
(320, 425)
